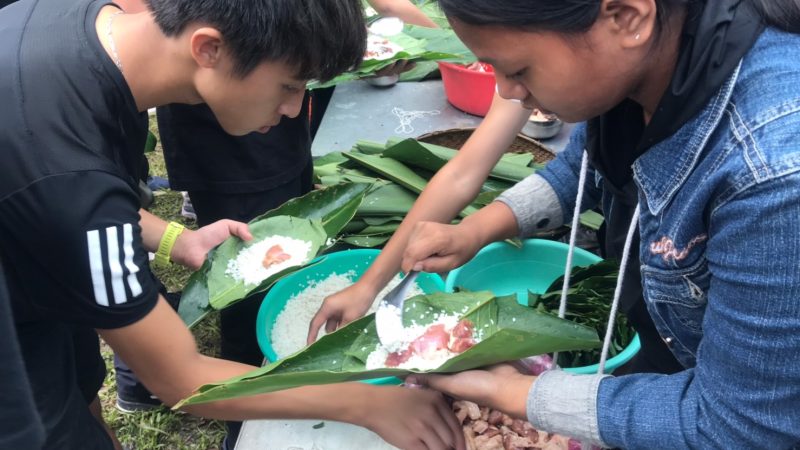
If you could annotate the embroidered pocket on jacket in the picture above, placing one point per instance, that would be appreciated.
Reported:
(678, 295)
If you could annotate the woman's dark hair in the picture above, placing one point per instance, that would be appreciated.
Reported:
(783, 14)
(321, 38)
(577, 16)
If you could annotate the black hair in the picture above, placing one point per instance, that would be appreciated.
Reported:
(320, 38)
(578, 16)
(783, 14)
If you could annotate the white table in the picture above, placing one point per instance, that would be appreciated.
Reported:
(301, 435)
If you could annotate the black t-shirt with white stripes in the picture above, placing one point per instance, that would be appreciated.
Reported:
(71, 139)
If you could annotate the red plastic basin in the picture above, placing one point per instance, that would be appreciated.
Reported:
(468, 90)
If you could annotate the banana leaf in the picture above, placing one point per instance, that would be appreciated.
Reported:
(366, 241)
(492, 185)
(592, 219)
(223, 289)
(442, 40)
(412, 50)
(387, 200)
(369, 147)
(330, 158)
(520, 159)
(391, 169)
(375, 230)
(432, 10)
(332, 208)
(433, 157)
(399, 173)
(508, 331)
(485, 198)
(382, 220)
(354, 226)
(421, 71)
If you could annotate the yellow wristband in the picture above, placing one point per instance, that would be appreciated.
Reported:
(171, 234)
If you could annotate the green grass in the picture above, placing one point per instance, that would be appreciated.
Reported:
(163, 428)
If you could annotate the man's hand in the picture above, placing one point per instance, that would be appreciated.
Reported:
(414, 419)
(192, 247)
(340, 309)
(500, 387)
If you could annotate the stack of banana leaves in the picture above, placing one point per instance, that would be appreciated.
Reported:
(399, 170)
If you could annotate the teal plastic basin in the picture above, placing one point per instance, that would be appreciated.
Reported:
(357, 261)
(505, 270)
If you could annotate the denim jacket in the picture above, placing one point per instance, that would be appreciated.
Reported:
(720, 265)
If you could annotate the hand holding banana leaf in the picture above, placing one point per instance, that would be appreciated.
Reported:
(313, 220)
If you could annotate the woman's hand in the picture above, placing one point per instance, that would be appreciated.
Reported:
(500, 387)
(414, 419)
(436, 248)
(192, 247)
(341, 308)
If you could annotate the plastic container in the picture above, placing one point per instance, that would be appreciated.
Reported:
(342, 262)
(468, 90)
(504, 269)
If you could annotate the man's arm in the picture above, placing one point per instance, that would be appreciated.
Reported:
(403, 10)
(163, 354)
(191, 247)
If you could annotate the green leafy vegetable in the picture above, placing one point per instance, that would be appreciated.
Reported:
(588, 303)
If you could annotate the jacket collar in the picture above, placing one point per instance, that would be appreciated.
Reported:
(664, 168)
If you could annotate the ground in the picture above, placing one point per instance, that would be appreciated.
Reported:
(163, 428)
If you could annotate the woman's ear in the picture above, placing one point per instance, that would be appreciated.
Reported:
(633, 22)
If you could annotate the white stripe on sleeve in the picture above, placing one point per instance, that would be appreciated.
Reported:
(96, 267)
(133, 269)
(117, 285)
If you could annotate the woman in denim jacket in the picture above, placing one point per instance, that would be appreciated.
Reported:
(692, 147)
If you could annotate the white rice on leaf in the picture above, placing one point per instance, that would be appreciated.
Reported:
(291, 326)
(248, 265)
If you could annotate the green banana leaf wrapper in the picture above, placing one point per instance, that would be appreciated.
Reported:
(508, 331)
(316, 217)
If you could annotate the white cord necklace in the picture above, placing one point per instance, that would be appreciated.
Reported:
(111, 42)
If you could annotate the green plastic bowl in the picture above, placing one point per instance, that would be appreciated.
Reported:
(342, 262)
(505, 270)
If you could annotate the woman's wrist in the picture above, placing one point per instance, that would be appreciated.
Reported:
(512, 396)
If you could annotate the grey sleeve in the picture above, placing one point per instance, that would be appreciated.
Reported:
(535, 205)
(566, 404)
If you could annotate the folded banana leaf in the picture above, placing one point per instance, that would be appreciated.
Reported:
(507, 330)
(399, 173)
(387, 200)
(391, 169)
(433, 157)
(316, 216)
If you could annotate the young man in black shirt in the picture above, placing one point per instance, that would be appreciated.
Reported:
(78, 78)
(20, 424)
